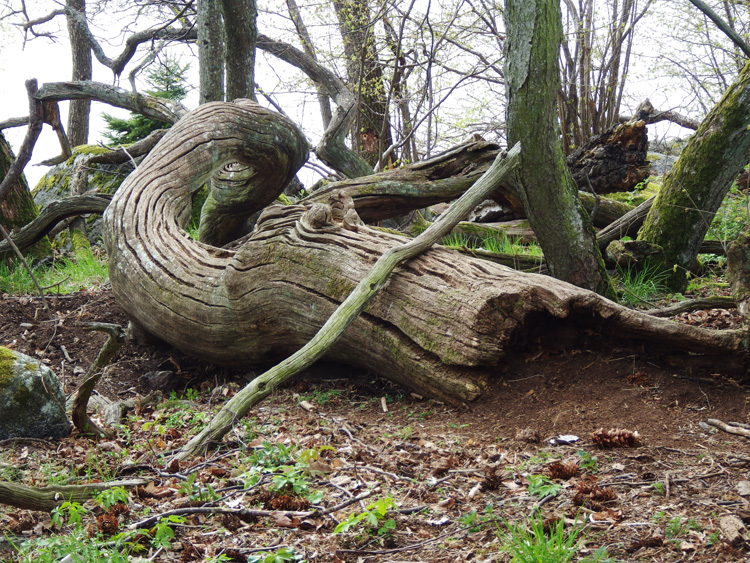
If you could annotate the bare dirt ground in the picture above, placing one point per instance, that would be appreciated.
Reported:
(673, 498)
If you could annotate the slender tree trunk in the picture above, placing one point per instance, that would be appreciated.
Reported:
(241, 34)
(699, 181)
(307, 45)
(210, 51)
(78, 114)
(546, 187)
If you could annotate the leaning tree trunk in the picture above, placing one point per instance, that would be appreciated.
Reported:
(699, 181)
(440, 326)
(546, 187)
(18, 208)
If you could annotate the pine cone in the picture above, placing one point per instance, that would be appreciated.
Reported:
(560, 470)
(616, 438)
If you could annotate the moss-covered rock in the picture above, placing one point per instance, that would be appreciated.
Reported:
(31, 399)
(104, 178)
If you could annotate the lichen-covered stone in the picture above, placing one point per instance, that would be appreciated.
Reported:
(32, 402)
(103, 178)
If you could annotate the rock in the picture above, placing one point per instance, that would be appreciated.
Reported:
(103, 178)
(733, 529)
(31, 399)
(162, 380)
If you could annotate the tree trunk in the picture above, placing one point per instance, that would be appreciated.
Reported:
(18, 208)
(700, 179)
(441, 325)
(371, 131)
(546, 187)
(79, 110)
(210, 51)
(241, 34)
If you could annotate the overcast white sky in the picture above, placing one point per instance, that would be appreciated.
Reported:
(47, 62)
(50, 62)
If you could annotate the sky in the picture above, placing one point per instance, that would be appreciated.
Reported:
(50, 62)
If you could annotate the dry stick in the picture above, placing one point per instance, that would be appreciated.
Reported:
(727, 428)
(362, 295)
(114, 341)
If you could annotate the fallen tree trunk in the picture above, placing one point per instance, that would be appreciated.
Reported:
(441, 325)
(47, 498)
(341, 213)
(445, 177)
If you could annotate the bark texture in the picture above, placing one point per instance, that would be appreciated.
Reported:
(241, 34)
(440, 326)
(696, 186)
(78, 112)
(210, 51)
(546, 187)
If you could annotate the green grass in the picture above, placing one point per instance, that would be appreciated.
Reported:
(638, 287)
(531, 544)
(66, 275)
(497, 243)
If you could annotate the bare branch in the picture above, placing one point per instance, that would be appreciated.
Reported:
(723, 26)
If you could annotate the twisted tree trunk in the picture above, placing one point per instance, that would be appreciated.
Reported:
(441, 325)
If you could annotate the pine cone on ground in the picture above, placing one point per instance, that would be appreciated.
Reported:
(616, 438)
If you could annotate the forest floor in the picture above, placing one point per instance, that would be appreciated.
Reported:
(435, 483)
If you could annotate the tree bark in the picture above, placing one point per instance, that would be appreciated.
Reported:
(18, 208)
(699, 181)
(79, 110)
(546, 187)
(210, 51)
(241, 34)
(371, 131)
(45, 499)
(341, 214)
(441, 325)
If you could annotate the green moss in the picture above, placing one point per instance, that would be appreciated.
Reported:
(339, 288)
(7, 358)
(89, 149)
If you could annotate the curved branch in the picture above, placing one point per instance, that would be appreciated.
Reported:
(160, 109)
(117, 64)
(723, 26)
(332, 150)
(52, 214)
(36, 120)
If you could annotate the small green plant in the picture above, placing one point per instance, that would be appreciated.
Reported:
(162, 533)
(323, 397)
(540, 486)
(658, 487)
(531, 544)
(474, 521)
(283, 555)
(374, 518)
(110, 497)
(499, 243)
(67, 275)
(456, 240)
(588, 461)
(70, 513)
(196, 492)
(676, 528)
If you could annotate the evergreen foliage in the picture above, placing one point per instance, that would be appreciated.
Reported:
(166, 81)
